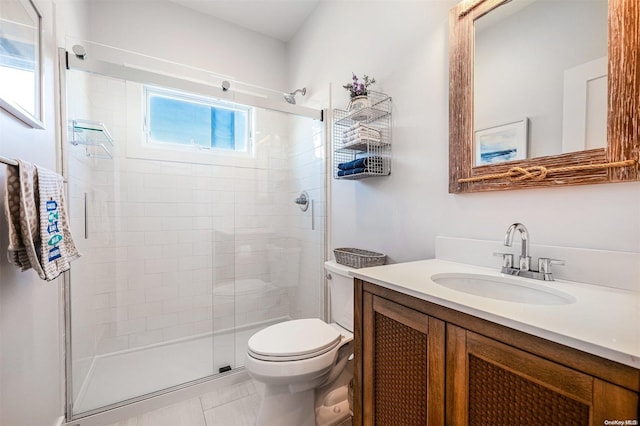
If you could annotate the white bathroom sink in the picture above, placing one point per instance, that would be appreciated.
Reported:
(503, 288)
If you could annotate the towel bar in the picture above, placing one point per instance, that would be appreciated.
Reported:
(10, 162)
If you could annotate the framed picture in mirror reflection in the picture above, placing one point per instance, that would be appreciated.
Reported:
(498, 144)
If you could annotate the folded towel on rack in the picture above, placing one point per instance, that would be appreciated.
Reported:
(361, 162)
(351, 171)
(361, 138)
(363, 132)
(39, 234)
(355, 164)
(360, 125)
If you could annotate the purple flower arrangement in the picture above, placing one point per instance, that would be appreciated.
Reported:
(359, 88)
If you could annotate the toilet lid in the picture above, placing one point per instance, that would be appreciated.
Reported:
(293, 340)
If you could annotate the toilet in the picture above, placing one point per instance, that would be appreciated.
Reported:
(298, 358)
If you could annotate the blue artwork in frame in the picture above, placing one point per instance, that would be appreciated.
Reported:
(507, 142)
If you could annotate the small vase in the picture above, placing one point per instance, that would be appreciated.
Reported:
(359, 102)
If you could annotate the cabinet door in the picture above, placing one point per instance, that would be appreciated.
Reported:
(490, 383)
(403, 365)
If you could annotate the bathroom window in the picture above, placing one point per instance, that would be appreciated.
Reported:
(191, 121)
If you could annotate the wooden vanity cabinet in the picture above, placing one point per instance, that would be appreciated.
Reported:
(491, 383)
(403, 372)
(418, 363)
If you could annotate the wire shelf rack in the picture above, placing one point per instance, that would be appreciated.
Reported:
(364, 135)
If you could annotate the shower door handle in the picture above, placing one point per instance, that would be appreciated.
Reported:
(86, 216)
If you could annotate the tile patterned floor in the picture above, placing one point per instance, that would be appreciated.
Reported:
(236, 405)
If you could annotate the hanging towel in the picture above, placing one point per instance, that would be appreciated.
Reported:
(39, 234)
(22, 198)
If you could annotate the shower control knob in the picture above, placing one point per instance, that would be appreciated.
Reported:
(303, 201)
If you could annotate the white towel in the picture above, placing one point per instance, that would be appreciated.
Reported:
(362, 137)
(360, 125)
(39, 234)
(363, 132)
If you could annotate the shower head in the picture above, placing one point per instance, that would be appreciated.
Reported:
(291, 97)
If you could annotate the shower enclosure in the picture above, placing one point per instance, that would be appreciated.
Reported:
(188, 249)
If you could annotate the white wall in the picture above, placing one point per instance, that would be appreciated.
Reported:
(30, 351)
(404, 45)
(168, 31)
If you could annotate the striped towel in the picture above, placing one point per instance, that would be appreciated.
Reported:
(39, 234)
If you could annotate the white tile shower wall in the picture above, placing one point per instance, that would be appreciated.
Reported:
(167, 239)
(306, 159)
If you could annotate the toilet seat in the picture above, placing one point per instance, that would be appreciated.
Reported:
(293, 340)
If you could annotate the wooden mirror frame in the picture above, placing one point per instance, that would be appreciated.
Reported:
(623, 112)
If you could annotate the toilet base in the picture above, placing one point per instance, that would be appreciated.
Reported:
(332, 401)
(281, 407)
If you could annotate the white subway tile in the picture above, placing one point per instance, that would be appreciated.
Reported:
(129, 238)
(176, 306)
(176, 277)
(143, 223)
(176, 250)
(195, 315)
(127, 297)
(195, 262)
(202, 223)
(161, 293)
(144, 310)
(161, 237)
(144, 252)
(144, 280)
(177, 223)
(162, 321)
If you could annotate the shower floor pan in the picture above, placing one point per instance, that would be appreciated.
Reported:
(120, 376)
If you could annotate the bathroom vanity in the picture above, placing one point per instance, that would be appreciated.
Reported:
(429, 353)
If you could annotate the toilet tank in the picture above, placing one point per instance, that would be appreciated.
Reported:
(340, 294)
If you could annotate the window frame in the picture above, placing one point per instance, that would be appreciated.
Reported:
(150, 90)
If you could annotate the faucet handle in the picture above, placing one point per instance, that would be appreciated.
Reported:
(507, 259)
(544, 264)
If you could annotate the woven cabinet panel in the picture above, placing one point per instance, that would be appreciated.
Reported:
(499, 397)
(400, 374)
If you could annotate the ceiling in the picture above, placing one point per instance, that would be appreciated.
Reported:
(279, 19)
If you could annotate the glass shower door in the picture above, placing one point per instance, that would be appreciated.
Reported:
(141, 295)
(183, 261)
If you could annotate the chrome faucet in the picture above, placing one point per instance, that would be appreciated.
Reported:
(524, 269)
(525, 258)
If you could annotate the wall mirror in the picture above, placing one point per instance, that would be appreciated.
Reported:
(20, 61)
(543, 93)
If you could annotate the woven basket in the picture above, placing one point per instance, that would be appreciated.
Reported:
(357, 258)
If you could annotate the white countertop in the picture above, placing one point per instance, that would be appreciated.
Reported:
(602, 321)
